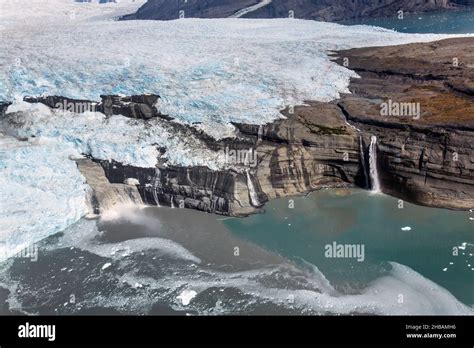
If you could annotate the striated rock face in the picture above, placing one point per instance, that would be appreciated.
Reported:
(309, 150)
(312, 148)
(220, 192)
(424, 156)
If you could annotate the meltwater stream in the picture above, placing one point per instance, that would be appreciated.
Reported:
(374, 174)
(177, 261)
(252, 192)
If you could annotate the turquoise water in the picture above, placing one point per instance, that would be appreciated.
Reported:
(144, 260)
(372, 220)
(446, 22)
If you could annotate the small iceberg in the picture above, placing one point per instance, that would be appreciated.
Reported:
(406, 228)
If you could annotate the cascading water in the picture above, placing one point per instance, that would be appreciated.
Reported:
(362, 159)
(374, 175)
(172, 202)
(157, 185)
(252, 192)
(260, 133)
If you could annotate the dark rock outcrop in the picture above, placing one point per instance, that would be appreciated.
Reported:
(321, 10)
(3, 109)
(170, 9)
(220, 192)
(340, 10)
(136, 106)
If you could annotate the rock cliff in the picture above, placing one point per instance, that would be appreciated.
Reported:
(419, 101)
(415, 100)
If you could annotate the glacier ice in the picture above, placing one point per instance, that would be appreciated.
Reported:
(128, 141)
(208, 72)
(41, 192)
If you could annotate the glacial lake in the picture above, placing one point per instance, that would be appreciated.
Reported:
(415, 260)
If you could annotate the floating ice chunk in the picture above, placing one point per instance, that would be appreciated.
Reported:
(186, 296)
(406, 228)
(445, 269)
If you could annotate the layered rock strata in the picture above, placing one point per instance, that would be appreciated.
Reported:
(409, 119)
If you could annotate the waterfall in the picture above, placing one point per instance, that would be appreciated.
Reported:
(260, 133)
(103, 195)
(362, 159)
(252, 193)
(157, 185)
(374, 175)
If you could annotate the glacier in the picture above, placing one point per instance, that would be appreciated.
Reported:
(129, 141)
(41, 192)
(209, 72)
(213, 71)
